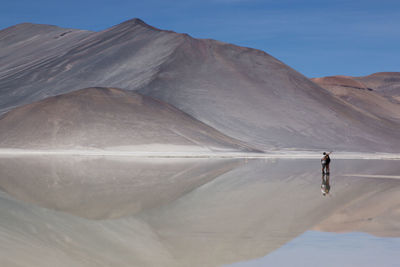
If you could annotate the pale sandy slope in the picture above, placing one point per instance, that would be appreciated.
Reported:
(108, 118)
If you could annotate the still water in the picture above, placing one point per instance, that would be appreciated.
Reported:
(110, 211)
(331, 249)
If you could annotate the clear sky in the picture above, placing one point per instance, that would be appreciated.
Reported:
(315, 37)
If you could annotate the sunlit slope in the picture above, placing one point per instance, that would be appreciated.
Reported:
(109, 118)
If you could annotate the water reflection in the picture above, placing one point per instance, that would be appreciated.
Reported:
(331, 250)
(325, 186)
(173, 212)
(100, 188)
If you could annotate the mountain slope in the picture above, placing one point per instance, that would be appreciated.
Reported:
(242, 92)
(28, 46)
(376, 97)
(108, 118)
(386, 83)
(127, 55)
(260, 100)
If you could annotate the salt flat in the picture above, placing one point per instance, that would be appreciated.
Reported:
(185, 152)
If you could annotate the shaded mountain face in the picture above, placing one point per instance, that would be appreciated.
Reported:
(108, 118)
(377, 94)
(25, 47)
(242, 92)
(127, 55)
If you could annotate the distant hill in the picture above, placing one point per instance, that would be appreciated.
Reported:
(386, 83)
(112, 119)
(377, 94)
(242, 92)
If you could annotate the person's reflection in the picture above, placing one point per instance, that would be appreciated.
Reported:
(325, 186)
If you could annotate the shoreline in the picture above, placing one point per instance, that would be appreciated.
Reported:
(282, 154)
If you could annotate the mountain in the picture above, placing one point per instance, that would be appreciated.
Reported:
(386, 83)
(126, 55)
(377, 94)
(242, 92)
(28, 46)
(109, 118)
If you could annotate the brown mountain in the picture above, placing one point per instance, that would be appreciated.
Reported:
(386, 83)
(376, 95)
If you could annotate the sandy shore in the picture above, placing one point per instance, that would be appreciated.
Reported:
(284, 154)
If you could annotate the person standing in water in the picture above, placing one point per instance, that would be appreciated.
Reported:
(325, 161)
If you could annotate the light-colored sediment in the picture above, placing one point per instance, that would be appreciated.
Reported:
(374, 176)
(187, 152)
(98, 118)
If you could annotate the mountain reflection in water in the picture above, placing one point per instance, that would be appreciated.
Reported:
(331, 249)
(85, 211)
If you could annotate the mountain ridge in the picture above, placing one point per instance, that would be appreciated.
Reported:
(366, 93)
(242, 92)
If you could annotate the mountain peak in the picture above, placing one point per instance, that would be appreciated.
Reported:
(27, 26)
(137, 22)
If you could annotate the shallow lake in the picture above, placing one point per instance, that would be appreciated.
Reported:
(117, 211)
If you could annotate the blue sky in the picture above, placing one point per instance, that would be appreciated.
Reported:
(317, 38)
